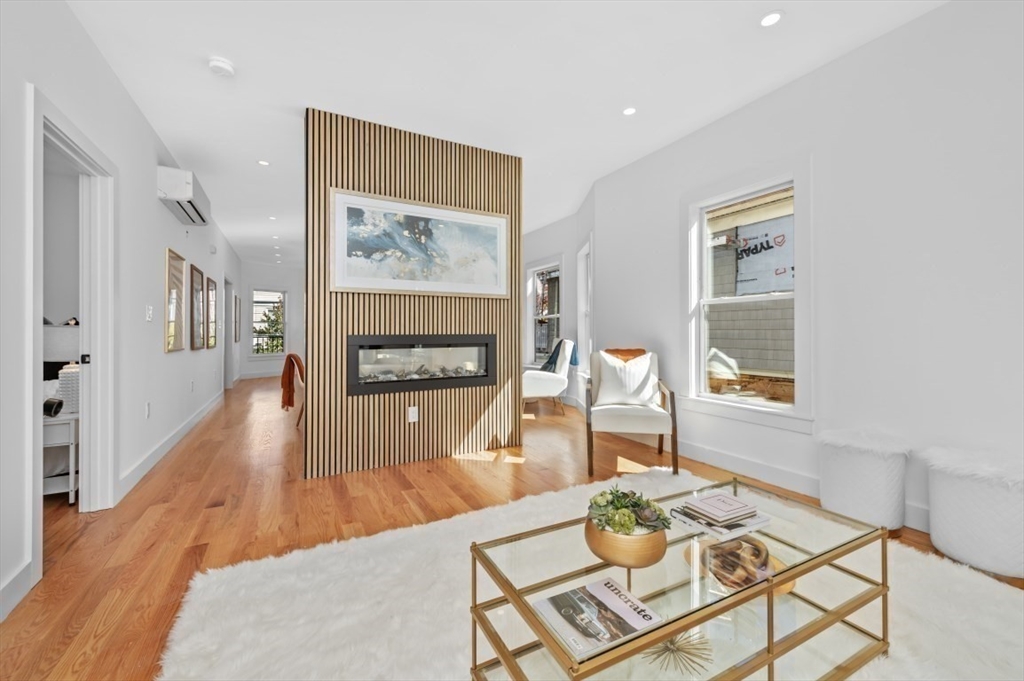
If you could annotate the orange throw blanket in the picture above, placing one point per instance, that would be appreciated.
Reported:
(292, 363)
(626, 354)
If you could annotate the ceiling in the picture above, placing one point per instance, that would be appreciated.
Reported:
(546, 81)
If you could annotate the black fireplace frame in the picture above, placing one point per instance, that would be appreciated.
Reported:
(441, 340)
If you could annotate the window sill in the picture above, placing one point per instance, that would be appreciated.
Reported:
(773, 417)
(265, 356)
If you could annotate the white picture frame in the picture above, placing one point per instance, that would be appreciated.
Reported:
(386, 245)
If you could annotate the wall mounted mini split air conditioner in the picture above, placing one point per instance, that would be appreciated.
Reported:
(181, 193)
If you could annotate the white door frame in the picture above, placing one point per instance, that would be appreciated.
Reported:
(98, 305)
(584, 307)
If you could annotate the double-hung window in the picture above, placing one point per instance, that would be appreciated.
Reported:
(747, 299)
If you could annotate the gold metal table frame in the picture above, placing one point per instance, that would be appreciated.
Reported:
(770, 588)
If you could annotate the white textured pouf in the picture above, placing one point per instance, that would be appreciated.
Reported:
(862, 475)
(976, 509)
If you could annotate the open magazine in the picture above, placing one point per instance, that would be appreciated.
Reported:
(594, 617)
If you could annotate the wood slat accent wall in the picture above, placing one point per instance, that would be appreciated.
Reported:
(354, 433)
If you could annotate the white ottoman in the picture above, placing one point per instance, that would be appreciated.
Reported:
(976, 509)
(862, 475)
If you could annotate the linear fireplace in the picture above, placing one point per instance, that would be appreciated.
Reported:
(387, 364)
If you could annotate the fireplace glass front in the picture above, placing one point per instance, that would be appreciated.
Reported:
(397, 363)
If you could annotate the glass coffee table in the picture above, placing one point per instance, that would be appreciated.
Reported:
(819, 610)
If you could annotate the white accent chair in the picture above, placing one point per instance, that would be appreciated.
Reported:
(652, 418)
(538, 384)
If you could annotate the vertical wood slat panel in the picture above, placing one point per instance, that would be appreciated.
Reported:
(346, 433)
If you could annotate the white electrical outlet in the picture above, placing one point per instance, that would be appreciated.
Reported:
(149, 313)
(147, 410)
(414, 414)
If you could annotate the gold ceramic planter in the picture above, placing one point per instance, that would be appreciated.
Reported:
(626, 550)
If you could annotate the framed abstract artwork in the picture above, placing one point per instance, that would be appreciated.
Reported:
(381, 244)
(174, 302)
(198, 325)
(238, 319)
(211, 313)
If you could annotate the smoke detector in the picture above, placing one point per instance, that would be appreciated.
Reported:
(222, 67)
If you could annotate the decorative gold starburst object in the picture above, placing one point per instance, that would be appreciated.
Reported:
(688, 653)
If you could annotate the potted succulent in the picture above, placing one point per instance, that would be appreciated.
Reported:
(625, 529)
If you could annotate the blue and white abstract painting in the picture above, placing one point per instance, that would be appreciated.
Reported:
(393, 246)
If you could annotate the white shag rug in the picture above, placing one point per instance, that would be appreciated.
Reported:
(396, 605)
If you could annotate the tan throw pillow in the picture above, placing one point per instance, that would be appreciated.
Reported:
(630, 382)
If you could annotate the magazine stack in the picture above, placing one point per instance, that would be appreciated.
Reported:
(721, 516)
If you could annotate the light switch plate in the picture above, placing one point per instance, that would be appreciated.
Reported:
(414, 414)
(149, 313)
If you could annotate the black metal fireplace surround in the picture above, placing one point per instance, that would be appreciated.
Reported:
(401, 363)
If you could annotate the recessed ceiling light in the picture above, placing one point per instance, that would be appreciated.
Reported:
(771, 18)
(264, 163)
(628, 112)
(277, 248)
(275, 237)
(221, 67)
(272, 217)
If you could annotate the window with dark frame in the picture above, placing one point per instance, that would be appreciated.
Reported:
(546, 314)
(267, 322)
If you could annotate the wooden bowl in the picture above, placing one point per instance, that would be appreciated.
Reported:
(626, 550)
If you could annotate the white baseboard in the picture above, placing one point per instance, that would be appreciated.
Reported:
(16, 588)
(133, 476)
(787, 479)
(916, 517)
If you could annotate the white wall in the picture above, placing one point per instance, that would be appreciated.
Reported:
(60, 246)
(262, 277)
(913, 153)
(42, 44)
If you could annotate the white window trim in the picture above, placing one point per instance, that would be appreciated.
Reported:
(797, 417)
(529, 358)
(268, 356)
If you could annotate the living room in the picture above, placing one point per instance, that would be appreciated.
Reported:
(882, 132)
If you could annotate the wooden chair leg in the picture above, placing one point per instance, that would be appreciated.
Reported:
(590, 451)
(661, 444)
(675, 448)
(560, 404)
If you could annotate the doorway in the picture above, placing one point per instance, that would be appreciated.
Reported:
(74, 283)
(585, 321)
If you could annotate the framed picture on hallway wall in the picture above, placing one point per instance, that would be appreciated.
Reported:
(238, 319)
(381, 244)
(198, 325)
(174, 302)
(211, 313)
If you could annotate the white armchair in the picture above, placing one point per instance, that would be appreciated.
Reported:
(635, 401)
(538, 384)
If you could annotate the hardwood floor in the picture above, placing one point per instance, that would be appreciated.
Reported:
(233, 490)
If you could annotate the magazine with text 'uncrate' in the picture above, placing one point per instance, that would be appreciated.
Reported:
(594, 617)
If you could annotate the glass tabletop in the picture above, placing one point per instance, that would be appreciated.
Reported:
(547, 567)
